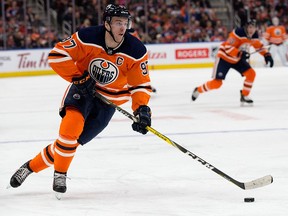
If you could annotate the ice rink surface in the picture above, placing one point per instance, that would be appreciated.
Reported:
(123, 173)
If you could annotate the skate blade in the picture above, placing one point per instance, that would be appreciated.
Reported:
(58, 195)
(8, 186)
(244, 104)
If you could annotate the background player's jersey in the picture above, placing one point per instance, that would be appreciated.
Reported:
(121, 74)
(237, 42)
(275, 35)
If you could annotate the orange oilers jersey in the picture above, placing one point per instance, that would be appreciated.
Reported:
(238, 41)
(275, 35)
(119, 75)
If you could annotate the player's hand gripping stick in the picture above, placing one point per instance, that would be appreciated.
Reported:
(143, 114)
(85, 84)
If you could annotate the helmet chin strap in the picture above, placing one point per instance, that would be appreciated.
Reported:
(246, 31)
(110, 32)
(110, 50)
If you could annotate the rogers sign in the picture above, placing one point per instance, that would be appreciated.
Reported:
(192, 53)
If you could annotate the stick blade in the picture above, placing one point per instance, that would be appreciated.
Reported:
(261, 182)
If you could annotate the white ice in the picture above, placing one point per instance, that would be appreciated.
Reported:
(123, 173)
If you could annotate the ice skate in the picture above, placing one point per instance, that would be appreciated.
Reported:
(195, 94)
(59, 184)
(20, 175)
(245, 100)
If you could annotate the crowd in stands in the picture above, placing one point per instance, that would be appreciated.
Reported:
(262, 11)
(161, 21)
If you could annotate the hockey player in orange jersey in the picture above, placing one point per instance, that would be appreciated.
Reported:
(275, 36)
(233, 54)
(105, 59)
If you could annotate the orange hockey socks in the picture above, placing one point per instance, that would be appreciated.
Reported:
(62, 151)
(43, 160)
(248, 82)
(210, 85)
(65, 146)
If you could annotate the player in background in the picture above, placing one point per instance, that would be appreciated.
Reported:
(276, 36)
(94, 59)
(233, 54)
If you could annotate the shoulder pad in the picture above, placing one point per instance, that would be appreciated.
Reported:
(255, 35)
(240, 32)
(93, 35)
(132, 46)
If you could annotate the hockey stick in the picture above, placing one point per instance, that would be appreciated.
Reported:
(266, 180)
(261, 49)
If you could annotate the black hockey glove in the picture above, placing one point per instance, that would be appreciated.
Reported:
(245, 55)
(269, 59)
(143, 113)
(85, 84)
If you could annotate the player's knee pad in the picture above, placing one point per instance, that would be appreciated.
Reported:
(72, 124)
(250, 74)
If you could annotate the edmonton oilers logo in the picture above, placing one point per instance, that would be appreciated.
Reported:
(103, 71)
(76, 96)
(277, 32)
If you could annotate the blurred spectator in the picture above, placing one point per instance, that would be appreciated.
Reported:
(217, 36)
(166, 21)
(86, 23)
(12, 10)
(30, 15)
(181, 37)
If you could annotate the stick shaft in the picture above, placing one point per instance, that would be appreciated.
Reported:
(261, 49)
(251, 185)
